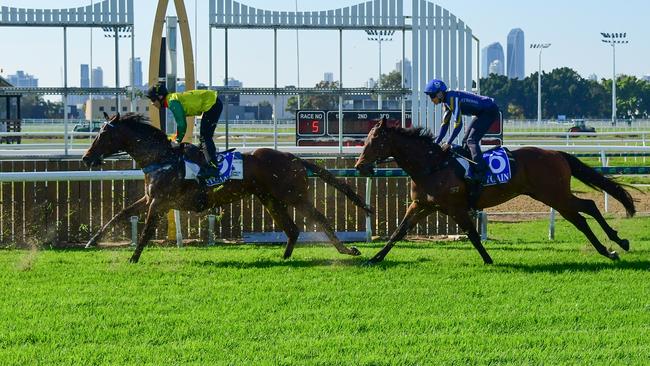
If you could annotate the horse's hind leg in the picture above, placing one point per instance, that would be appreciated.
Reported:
(580, 223)
(311, 213)
(589, 207)
(280, 214)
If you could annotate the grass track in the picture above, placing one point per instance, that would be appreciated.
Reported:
(428, 303)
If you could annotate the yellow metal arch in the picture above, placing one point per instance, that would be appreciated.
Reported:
(188, 57)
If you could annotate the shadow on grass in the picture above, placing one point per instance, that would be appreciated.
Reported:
(643, 265)
(300, 263)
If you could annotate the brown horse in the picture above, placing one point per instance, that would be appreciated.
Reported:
(544, 175)
(277, 179)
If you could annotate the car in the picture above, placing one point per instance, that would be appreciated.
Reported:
(85, 127)
(579, 125)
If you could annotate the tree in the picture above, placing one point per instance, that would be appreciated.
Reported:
(316, 102)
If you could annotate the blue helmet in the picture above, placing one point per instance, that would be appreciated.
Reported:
(434, 86)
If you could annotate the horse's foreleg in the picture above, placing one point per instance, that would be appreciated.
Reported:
(154, 214)
(465, 222)
(414, 213)
(129, 211)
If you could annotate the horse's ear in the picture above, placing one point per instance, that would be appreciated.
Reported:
(106, 116)
(382, 122)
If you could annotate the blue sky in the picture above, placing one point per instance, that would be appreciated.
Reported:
(572, 27)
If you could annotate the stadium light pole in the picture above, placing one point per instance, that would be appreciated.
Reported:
(541, 47)
(613, 39)
(379, 36)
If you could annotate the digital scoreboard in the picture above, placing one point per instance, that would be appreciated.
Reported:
(321, 128)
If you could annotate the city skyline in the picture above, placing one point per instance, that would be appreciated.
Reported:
(577, 45)
(516, 55)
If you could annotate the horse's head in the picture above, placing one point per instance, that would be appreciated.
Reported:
(108, 142)
(376, 148)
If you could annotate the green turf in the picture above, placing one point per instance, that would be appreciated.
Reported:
(429, 303)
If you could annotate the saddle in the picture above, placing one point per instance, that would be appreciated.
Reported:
(502, 164)
(195, 166)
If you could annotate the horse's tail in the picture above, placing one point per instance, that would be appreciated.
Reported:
(330, 179)
(597, 181)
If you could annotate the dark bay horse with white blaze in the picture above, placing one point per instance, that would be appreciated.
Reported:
(277, 179)
(544, 175)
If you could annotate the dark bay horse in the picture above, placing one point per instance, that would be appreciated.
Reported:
(544, 175)
(277, 179)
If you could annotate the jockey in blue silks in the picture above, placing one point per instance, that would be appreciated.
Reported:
(457, 103)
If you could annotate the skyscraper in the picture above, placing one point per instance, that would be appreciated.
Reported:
(137, 71)
(516, 54)
(491, 53)
(328, 77)
(84, 76)
(98, 77)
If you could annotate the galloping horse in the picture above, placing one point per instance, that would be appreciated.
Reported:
(544, 175)
(277, 179)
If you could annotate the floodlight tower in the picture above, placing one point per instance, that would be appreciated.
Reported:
(379, 36)
(541, 47)
(613, 39)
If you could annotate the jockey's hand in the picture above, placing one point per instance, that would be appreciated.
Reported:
(445, 147)
(175, 144)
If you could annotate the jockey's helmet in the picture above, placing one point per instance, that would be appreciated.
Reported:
(158, 90)
(434, 86)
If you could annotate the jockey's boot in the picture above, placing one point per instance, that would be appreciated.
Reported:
(208, 170)
(476, 183)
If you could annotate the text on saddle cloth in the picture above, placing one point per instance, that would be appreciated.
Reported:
(499, 163)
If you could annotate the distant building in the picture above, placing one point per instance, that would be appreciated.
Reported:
(516, 54)
(371, 83)
(137, 72)
(408, 69)
(98, 77)
(84, 82)
(489, 54)
(593, 77)
(328, 77)
(233, 82)
(23, 80)
(108, 105)
(646, 77)
(84, 76)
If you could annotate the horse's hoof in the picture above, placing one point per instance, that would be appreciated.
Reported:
(354, 251)
(134, 260)
(91, 243)
(487, 261)
(613, 256)
(624, 244)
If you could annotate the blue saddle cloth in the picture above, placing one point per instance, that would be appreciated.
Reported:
(226, 165)
(499, 163)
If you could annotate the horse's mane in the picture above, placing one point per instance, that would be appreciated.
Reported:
(418, 133)
(142, 124)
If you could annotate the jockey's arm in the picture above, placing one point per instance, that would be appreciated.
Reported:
(179, 115)
(444, 126)
(457, 117)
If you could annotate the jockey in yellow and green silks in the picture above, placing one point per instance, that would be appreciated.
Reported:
(187, 104)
